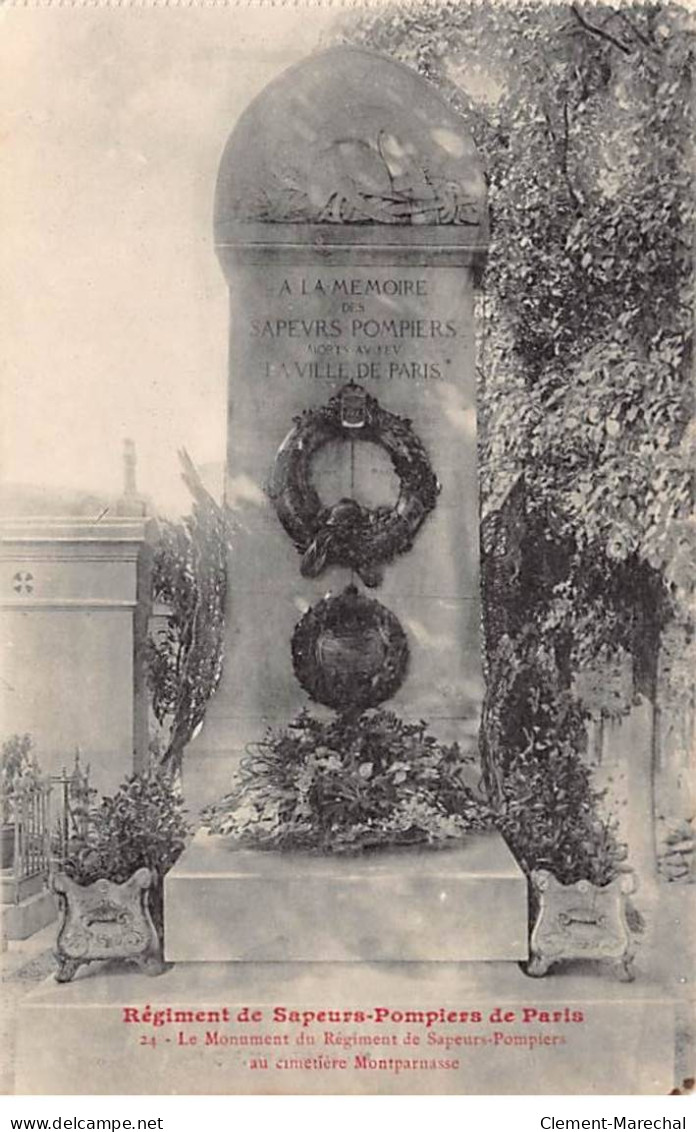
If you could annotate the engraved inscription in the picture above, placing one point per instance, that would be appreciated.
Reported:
(350, 328)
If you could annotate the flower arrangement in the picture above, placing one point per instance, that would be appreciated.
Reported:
(352, 783)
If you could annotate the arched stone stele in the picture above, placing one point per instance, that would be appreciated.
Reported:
(350, 222)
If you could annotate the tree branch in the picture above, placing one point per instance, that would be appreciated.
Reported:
(563, 145)
(576, 201)
(566, 139)
(593, 30)
(637, 32)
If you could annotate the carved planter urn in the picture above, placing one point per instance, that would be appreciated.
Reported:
(581, 921)
(105, 920)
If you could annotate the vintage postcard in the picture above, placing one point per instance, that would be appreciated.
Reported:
(347, 548)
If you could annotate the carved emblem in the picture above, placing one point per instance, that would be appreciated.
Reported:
(581, 921)
(105, 920)
(353, 406)
(359, 181)
(350, 652)
(23, 582)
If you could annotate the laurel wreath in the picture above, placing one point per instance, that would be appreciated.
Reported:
(348, 687)
(347, 533)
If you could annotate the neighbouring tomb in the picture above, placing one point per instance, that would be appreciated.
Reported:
(74, 627)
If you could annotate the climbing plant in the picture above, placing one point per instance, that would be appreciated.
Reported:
(583, 117)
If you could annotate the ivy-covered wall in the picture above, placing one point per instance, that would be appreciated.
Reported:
(583, 114)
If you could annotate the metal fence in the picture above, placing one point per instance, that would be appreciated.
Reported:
(45, 814)
(73, 796)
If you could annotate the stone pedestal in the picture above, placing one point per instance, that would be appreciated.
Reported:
(385, 1028)
(459, 904)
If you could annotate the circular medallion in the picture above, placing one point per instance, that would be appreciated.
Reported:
(349, 652)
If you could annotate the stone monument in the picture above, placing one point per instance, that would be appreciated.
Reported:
(350, 222)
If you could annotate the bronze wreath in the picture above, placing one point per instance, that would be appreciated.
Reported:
(348, 534)
(349, 652)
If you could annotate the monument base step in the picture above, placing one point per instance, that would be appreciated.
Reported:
(462, 904)
(388, 1028)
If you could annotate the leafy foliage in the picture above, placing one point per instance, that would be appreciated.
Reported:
(142, 825)
(544, 800)
(17, 764)
(584, 120)
(190, 576)
(16, 759)
(550, 815)
(350, 784)
(583, 115)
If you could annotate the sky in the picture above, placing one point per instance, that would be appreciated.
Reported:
(113, 308)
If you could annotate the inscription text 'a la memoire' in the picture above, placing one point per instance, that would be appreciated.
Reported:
(356, 288)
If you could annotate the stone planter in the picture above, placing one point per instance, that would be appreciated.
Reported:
(7, 842)
(581, 921)
(105, 920)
